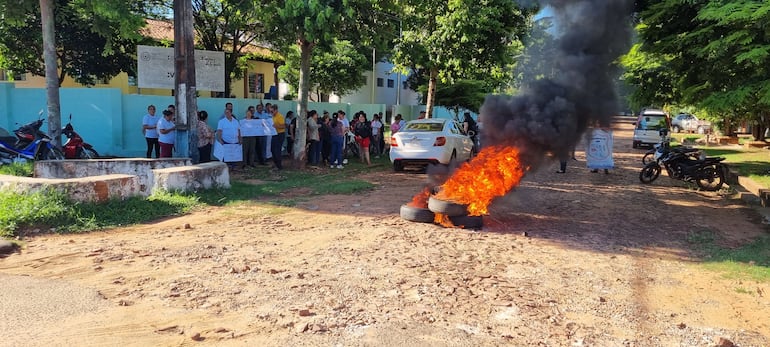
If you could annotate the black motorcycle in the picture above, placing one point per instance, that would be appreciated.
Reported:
(661, 149)
(682, 164)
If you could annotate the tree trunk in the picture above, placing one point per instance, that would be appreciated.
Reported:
(758, 128)
(728, 126)
(431, 92)
(51, 71)
(300, 132)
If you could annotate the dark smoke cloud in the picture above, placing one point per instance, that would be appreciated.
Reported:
(550, 115)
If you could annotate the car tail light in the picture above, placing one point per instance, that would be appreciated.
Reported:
(440, 141)
(393, 142)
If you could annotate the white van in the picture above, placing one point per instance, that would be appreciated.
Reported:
(648, 125)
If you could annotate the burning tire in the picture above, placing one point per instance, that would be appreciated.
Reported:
(448, 208)
(417, 214)
(467, 222)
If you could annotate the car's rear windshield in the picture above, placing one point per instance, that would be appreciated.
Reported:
(432, 126)
(652, 122)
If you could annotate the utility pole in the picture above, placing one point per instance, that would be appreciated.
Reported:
(184, 81)
(51, 71)
(374, 75)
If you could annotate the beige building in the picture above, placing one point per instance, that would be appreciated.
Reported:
(260, 74)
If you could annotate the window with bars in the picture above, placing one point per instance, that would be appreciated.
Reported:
(256, 83)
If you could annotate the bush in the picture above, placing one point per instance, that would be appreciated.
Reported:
(17, 169)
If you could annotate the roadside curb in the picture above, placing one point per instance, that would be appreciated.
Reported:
(759, 194)
(751, 193)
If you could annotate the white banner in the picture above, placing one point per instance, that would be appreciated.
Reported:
(599, 151)
(228, 153)
(257, 127)
(156, 68)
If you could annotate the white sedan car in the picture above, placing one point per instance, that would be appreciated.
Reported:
(429, 141)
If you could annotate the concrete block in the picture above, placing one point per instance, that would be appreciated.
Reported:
(85, 189)
(753, 187)
(192, 178)
(140, 167)
(99, 180)
(727, 140)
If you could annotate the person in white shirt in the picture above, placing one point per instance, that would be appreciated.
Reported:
(150, 130)
(167, 134)
(228, 129)
(228, 132)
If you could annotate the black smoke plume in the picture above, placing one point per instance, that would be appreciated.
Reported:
(550, 115)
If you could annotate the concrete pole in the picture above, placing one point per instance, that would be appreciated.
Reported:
(374, 75)
(51, 71)
(184, 81)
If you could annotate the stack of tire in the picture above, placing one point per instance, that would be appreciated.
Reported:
(457, 213)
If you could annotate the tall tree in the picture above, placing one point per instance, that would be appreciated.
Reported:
(310, 24)
(652, 79)
(94, 41)
(109, 22)
(229, 26)
(719, 51)
(459, 39)
(339, 70)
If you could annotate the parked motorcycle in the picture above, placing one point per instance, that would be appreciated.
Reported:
(662, 149)
(5, 158)
(707, 172)
(351, 146)
(75, 147)
(31, 144)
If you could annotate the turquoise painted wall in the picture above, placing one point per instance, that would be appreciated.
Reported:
(112, 122)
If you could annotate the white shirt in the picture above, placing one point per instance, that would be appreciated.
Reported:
(169, 137)
(229, 130)
(151, 120)
(376, 125)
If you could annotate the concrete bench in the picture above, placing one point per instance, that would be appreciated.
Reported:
(84, 189)
(727, 140)
(192, 177)
(105, 179)
(755, 144)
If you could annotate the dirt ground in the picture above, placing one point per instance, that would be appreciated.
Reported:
(575, 259)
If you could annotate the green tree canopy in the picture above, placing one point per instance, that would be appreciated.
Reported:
(339, 70)
(717, 52)
(460, 39)
(318, 23)
(229, 26)
(94, 39)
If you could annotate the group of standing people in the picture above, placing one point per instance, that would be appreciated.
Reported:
(257, 146)
(326, 137)
(159, 132)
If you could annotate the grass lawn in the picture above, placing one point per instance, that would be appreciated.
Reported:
(753, 163)
(52, 211)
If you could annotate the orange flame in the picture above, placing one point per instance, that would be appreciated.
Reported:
(492, 173)
(421, 199)
(443, 220)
